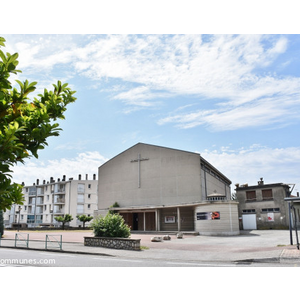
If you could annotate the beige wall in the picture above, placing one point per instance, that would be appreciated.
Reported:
(169, 177)
(228, 223)
(281, 218)
(214, 185)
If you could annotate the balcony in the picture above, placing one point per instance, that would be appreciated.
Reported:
(58, 200)
(60, 191)
(40, 191)
(39, 210)
(57, 211)
(40, 201)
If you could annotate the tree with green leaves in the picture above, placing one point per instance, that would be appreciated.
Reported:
(65, 219)
(25, 124)
(84, 219)
(111, 211)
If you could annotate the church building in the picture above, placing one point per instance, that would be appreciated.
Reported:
(162, 189)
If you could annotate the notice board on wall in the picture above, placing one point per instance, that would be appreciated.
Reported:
(214, 215)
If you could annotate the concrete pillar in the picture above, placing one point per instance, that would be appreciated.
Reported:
(179, 219)
(157, 217)
(144, 221)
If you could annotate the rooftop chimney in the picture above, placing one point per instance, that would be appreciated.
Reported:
(261, 182)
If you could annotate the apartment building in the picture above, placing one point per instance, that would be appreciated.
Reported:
(47, 200)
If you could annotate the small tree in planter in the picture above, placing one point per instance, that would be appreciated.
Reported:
(84, 219)
(112, 225)
(65, 219)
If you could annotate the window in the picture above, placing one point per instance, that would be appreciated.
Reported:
(80, 198)
(80, 209)
(251, 195)
(89, 186)
(267, 194)
(80, 188)
(266, 210)
(30, 219)
(248, 211)
(89, 206)
(89, 196)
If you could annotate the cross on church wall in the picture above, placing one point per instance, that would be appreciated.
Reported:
(138, 160)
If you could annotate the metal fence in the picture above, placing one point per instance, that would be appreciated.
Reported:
(22, 238)
(54, 241)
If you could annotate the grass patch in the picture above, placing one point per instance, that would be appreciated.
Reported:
(144, 248)
(281, 245)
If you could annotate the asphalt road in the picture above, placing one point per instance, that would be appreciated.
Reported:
(28, 258)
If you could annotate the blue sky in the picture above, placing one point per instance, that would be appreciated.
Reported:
(234, 98)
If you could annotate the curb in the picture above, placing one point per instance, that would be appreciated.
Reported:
(58, 251)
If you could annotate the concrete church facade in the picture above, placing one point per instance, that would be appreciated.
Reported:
(163, 189)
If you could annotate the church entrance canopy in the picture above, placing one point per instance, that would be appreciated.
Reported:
(159, 218)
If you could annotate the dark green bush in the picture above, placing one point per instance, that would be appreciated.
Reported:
(112, 225)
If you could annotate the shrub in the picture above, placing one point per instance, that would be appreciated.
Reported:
(116, 204)
(112, 225)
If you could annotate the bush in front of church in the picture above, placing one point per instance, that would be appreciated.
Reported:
(111, 225)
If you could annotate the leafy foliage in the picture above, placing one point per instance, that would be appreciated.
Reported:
(84, 219)
(112, 225)
(111, 211)
(24, 125)
(65, 219)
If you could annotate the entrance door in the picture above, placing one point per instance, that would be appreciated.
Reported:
(150, 221)
(249, 222)
(135, 225)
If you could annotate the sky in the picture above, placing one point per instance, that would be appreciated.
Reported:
(233, 98)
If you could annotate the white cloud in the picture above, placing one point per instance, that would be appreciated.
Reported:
(277, 110)
(222, 68)
(248, 165)
(83, 163)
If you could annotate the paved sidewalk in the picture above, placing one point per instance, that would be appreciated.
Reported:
(255, 245)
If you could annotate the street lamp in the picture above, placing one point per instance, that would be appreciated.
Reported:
(19, 217)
